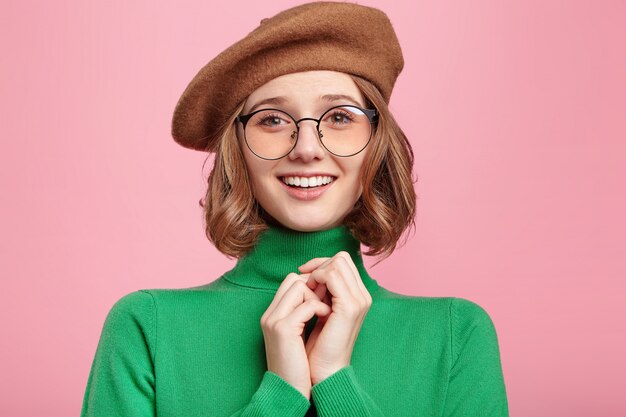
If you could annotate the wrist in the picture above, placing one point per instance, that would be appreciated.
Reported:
(305, 392)
(319, 377)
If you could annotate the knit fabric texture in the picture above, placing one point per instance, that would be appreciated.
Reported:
(200, 351)
(334, 36)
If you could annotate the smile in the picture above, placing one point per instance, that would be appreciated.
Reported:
(306, 188)
(308, 182)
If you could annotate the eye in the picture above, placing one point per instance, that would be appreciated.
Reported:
(270, 120)
(340, 117)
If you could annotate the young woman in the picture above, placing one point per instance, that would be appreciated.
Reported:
(309, 164)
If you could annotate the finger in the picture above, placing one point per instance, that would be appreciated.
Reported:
(327, 298)
(342, 296)
(347, 275)
(321, 292)
(305, 312)
(357, 281)
(297, 294)
(339, 264)
(315, 263)
(315, 286)
(312, 264)
(284, 286)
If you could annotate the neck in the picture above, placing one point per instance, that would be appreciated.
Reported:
(281, 250)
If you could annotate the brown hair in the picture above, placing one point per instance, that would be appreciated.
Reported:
(234, 219)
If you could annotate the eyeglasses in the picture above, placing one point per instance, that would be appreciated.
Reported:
(342, 130)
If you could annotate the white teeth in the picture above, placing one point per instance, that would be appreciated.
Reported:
(307, 182)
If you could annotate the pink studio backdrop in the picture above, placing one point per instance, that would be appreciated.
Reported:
(517, 115)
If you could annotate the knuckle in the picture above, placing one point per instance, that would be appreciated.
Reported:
(292, 282)
(301, 284)
(334, 274)
(270, 325)
(344, 254)
(292, 276)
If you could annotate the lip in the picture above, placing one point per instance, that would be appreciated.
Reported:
(306, 174)
(306, 194)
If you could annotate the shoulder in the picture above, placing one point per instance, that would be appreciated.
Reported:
(417, 311)
(130, 325)
(137, 312)
(453, 307)
(141, 308)
(413, 302)
(137, 304)
(459, 315)
(148, 303)
(472, 330)
(466, 313)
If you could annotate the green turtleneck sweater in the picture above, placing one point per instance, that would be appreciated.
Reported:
(199, 352)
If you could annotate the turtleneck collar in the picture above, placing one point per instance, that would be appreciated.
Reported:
(281, 250)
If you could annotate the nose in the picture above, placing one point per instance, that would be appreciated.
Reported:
(308, 145)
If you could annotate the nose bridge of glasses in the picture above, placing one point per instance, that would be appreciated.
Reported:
(317, 122)
(315, 125)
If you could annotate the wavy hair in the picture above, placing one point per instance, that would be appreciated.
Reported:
(233, 219)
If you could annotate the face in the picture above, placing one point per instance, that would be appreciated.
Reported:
(305, 209)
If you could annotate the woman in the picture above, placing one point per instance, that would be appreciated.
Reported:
(309, 163)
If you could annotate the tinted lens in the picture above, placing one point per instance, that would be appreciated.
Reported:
(345, 130)
(271, 133)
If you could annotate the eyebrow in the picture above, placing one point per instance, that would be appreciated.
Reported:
(326, 97)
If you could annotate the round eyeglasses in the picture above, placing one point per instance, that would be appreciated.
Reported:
(342, 130)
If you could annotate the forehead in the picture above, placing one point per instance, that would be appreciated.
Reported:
(307, 86)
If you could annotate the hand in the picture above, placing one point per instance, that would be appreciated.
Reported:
(337, 282)
(283, 323)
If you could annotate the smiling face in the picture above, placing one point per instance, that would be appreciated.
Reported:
(305, 94)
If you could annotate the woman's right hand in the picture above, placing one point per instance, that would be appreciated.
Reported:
(283, 330)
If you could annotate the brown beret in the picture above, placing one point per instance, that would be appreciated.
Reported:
(344, 37)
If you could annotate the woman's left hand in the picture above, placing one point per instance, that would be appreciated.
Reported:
(337, 282)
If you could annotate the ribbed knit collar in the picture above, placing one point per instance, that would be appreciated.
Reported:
(281, 250)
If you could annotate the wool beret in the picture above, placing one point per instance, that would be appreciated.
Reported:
(335, 36)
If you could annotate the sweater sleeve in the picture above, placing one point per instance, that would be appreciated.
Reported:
(340, 394)
(476, 383)
(122, 380)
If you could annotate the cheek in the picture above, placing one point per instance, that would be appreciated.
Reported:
(351, 189)
(251, 162)
(258, 174)
(355, 174)
(359, 180)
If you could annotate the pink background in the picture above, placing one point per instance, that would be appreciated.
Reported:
(517, 115)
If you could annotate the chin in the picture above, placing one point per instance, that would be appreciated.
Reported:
(309, 224)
